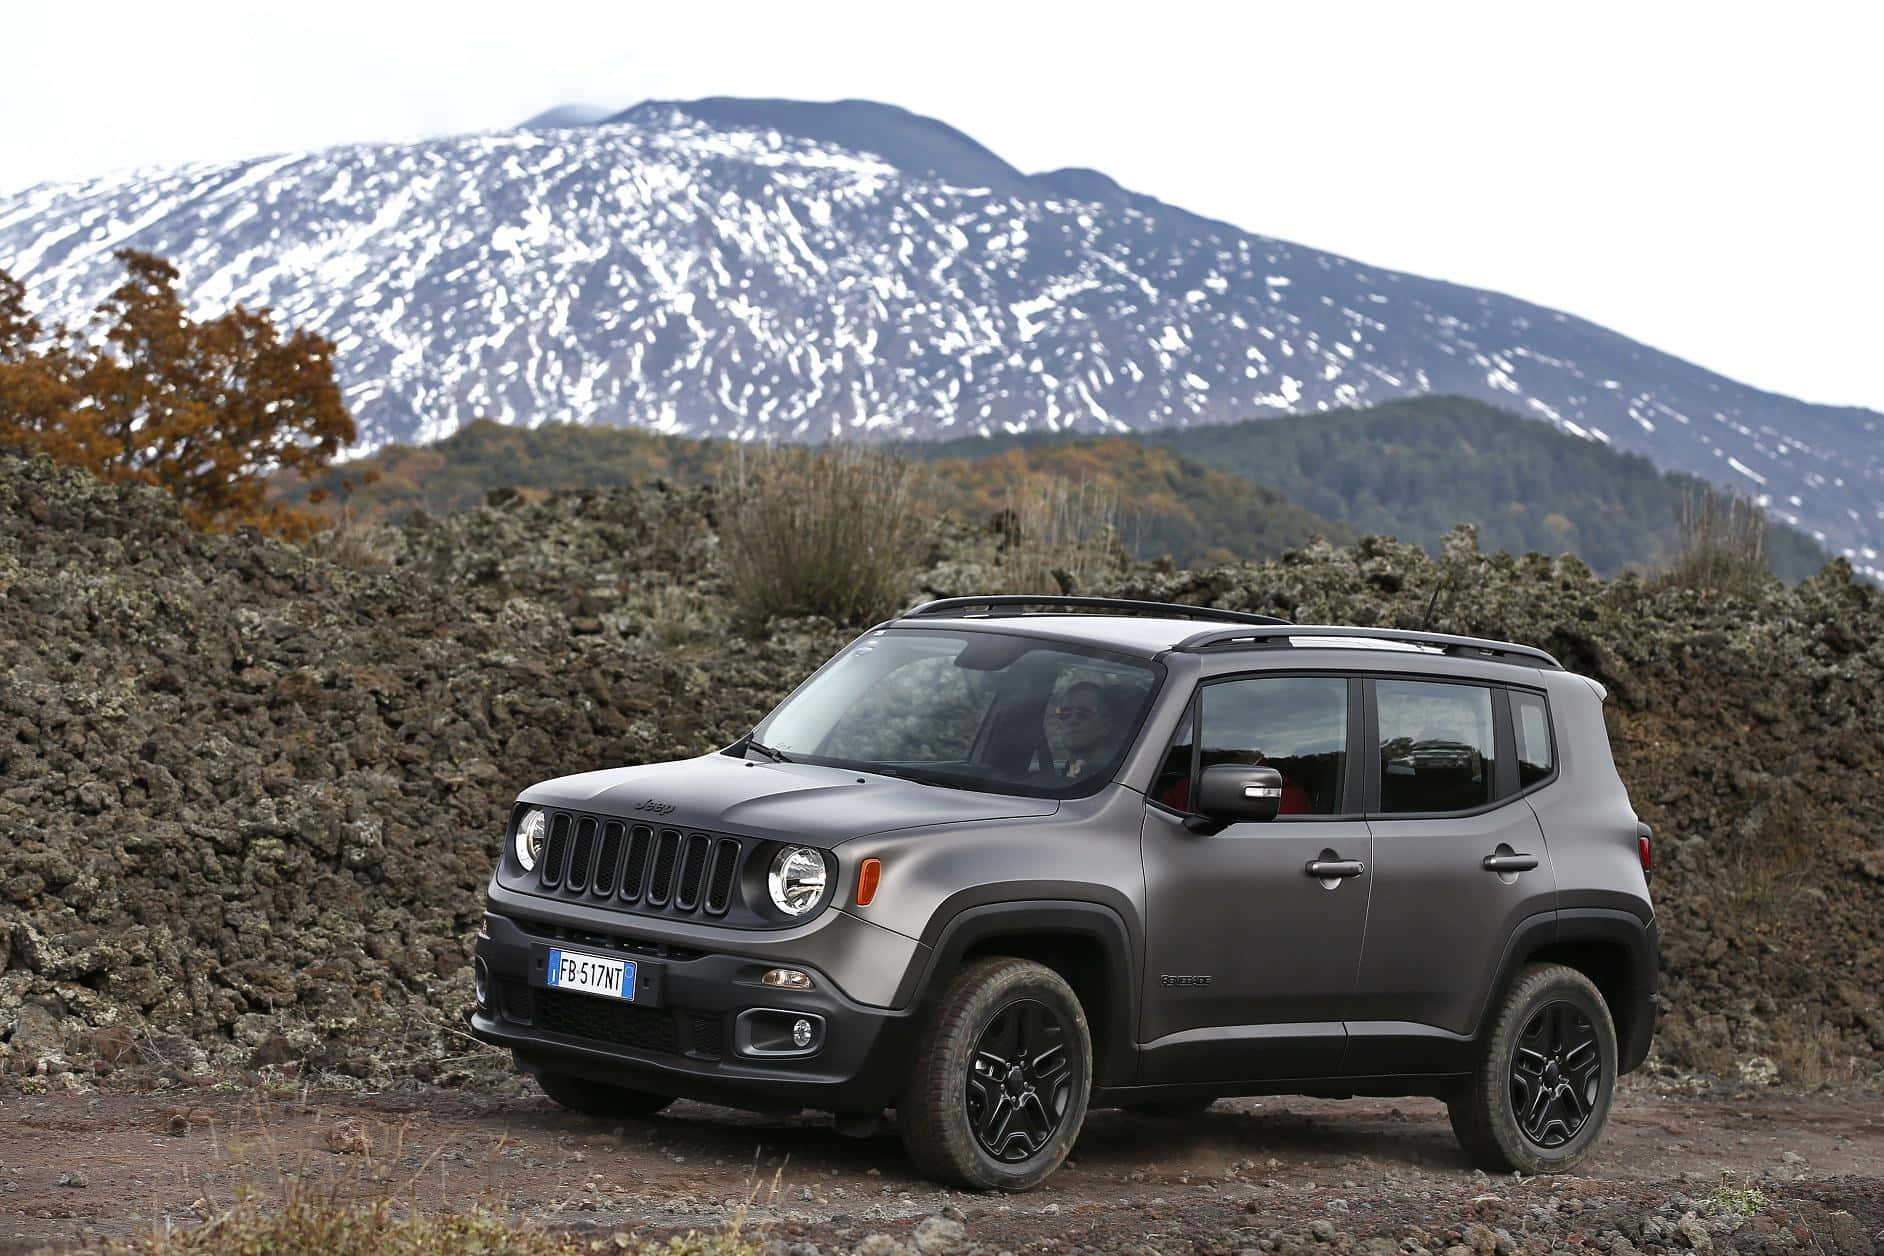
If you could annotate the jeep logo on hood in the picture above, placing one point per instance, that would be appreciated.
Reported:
(658, 808)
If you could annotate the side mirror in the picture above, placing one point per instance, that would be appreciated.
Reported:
(1232, 793)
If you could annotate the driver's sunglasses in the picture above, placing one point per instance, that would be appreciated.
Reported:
(1076, 713)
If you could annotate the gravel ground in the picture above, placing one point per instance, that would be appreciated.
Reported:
(1728, 1168)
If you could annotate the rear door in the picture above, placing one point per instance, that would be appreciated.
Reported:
(1459, 861)
(1250, 959)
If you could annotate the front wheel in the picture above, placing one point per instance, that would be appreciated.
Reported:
(614, 1103)
(1002, 1074)
(1546, 1076)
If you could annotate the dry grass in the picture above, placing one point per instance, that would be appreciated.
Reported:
(677, 617)
(315, 1227)
(836, 532)
(355, 1194)
(1057, 536)
(1809, 1052)
(1722, 545)
(356, 544)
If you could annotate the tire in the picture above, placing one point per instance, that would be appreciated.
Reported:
(1545, 1078)
(967, 1123)
(614, 1103)
(1168, 1109)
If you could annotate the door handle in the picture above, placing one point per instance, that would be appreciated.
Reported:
(1509, 863)
(1334, 869)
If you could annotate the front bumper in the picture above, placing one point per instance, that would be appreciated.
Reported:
(687, 1039)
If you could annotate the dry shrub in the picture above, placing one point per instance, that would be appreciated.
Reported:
(1057, 536)
(1721, 544)
(677, 617)
(1809, 1052)
(358, 544)
(836, 532)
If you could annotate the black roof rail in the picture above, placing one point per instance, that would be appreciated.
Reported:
(1017, 604)
(1445, 642)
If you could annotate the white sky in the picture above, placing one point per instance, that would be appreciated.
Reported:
(1705, 178)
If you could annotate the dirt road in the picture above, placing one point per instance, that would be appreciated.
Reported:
(82, 1166)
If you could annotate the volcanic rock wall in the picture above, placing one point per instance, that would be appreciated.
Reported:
(250, 794)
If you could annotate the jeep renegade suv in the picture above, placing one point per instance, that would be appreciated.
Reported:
(1002, 859)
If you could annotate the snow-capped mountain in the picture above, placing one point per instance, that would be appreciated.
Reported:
(799, 271)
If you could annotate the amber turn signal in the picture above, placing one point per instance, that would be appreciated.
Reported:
(869, 872)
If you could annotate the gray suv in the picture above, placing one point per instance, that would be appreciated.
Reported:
(1002, 859)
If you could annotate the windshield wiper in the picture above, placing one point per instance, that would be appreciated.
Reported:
(776, 756)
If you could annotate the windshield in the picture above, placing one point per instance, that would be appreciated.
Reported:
(973, 710)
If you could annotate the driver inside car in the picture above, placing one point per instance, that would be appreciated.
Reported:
(1089, 728)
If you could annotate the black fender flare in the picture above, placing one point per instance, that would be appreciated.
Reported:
(1087, 921)
(1638, 939)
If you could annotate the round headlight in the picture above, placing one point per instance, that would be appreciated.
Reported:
(796, 880)
(531, 831)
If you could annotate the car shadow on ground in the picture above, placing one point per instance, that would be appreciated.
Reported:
(1411, 1134)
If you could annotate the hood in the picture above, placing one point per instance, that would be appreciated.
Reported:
(800, 802)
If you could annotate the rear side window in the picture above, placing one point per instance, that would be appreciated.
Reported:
(1297, 725)
(1530, 722)
(1437, 751)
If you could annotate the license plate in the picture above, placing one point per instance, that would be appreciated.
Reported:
(591, 974)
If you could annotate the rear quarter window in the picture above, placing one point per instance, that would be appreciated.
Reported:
(1530, 726)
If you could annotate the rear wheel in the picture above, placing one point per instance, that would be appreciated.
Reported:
(578, 1094)
(1001, 1079)
(1546, 1076)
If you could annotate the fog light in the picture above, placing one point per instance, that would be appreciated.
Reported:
(786, 979)
(481, 982)
(773, 1033)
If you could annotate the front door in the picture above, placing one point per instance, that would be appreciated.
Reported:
(1250, 955)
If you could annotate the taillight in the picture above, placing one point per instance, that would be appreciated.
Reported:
(1644, 847)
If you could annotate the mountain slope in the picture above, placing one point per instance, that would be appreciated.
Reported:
(690, 269)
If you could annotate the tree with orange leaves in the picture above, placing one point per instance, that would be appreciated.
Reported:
(208, 410)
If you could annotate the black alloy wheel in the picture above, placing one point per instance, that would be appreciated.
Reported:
(1556, 1075)
(1000, 1079)
(1544, 1078)
(1020, 1081)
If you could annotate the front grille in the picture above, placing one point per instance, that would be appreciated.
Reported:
(513, 1000)
(608, 943)
(634, 877)
(707, 1033)
(725, 865)
(624, 1024)
(584, 851)
(661, 885)
(557, 851)
(692, 868)
(660, 871)
(608, 859)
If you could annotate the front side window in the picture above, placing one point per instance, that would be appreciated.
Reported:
(1436, 748)
(973, 710)
(1297, 725)
(1530, 720)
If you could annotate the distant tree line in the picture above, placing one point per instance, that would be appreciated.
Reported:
(1415, 468)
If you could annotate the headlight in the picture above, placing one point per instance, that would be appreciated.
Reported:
(796, 880)
(531, 830)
